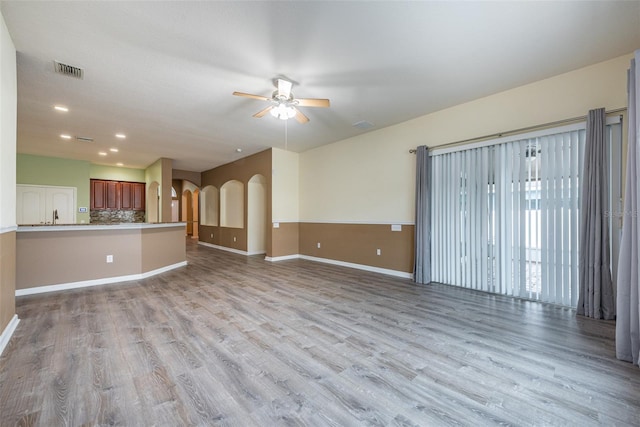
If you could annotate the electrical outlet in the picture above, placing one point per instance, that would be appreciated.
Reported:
(234, 239)
(318, 245)
(378, 252)
(109, 259)
(212, 235)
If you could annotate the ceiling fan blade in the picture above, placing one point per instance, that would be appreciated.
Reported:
(263, 112)
(312, 102)
(248, 95)
(284, 88)
(301, 118)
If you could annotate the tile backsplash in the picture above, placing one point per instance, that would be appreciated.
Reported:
(115, 216)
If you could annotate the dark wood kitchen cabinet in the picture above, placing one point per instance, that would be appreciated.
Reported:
(113, 195)
(126, 195)
(98, 194)
(116, 195)
(138, 203)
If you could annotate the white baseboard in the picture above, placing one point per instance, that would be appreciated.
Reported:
(386, 271)
(8, 332)
(96, 282)
(224, 248)
(281, 258)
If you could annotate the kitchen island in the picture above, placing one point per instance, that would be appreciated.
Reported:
(57, 257)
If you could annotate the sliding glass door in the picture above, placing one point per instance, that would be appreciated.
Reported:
(505, 215)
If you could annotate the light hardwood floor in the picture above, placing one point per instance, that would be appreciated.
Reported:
(231, 340)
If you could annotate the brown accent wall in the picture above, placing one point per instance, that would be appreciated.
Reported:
(206, 232)
(58, 257)
(179, 175)
(285, 239)
(357, 243)
(7, 278)
(162, 247)
(227, 236)
(241, 170)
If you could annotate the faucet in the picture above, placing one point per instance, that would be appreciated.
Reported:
(55, 215)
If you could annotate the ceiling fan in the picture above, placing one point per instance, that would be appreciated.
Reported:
(283, 105)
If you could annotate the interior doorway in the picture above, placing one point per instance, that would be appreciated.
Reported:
(257, 215)
(187, 211)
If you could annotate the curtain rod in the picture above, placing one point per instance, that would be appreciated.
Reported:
(521, 130)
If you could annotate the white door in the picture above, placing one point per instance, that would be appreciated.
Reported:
(30, 205)
(39, 204)
(61, 203)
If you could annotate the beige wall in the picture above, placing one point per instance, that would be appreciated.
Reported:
(7, 278)
(160, 171)
(370, 178)
(162, 247)
(285, 183)
(75, 256)
(8, 116)
(64, 257)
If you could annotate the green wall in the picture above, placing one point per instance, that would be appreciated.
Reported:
(39, 170)
(115, 173)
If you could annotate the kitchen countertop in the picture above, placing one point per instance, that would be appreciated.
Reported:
(87, 227)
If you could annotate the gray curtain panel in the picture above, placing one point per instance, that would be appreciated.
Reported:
(628, 286)
(422, 265)
(595, 292)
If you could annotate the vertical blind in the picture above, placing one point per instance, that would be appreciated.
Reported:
(505, 216)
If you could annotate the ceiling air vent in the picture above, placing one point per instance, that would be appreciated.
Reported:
(84, 139)
(363, 124)
(68, 70)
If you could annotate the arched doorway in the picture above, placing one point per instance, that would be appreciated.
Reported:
(175, 204)
(187, 211)
(257, 215)
(195, 213)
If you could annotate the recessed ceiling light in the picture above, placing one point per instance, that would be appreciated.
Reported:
(113, 150)
(64, 136)
(238, 150)
(60, 108)
(102, 153)
(119, 164)
(121, 135)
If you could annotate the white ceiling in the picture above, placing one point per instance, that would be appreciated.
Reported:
(163, 72)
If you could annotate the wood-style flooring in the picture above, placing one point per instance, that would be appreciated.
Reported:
(234, 340)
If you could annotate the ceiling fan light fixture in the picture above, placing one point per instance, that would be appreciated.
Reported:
(283, 105)
(283, 112)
